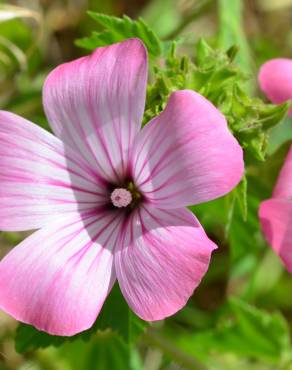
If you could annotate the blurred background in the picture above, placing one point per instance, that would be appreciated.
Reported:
(37, 35)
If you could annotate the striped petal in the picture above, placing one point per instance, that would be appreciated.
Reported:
(186, 155)
(284, 183)
(40, 178)
(58, 278)
(96, 104)
(276, 221)
(275, 79)
(161, 259)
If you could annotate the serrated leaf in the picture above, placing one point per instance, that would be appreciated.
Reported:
(115, 315)
(118, 29)
(98, 39)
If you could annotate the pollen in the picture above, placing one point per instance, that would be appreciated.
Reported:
(121, 197)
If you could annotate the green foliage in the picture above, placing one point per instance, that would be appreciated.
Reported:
(240, 329)
(249, 331)
(105, 351)
(173, 76)
(28, 338)
(118, 29)
(243, 234)
(215, 75)
(211, 72)
(115, 315)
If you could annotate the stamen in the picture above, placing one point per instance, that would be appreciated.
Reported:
(121, 197)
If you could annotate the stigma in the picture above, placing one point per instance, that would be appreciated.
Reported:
(121, 197)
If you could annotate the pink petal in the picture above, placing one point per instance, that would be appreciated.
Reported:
(275, 79)
(58, 278)
(96, 104)
(186, 155)
(40, 177)
(284, 184)
(276, 221)
(161, 259)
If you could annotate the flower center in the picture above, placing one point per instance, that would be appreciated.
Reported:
(121, 197)
(125, 195)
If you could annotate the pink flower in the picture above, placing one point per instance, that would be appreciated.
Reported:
(276, 215)
(108, 197)
(275, 79)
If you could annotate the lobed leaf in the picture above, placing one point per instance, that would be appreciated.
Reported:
(118, 29)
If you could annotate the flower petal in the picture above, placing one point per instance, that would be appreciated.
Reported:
(275, 79)
(161, 259)
(284, 183)
(58, 278)
(96, 104)
(186, 155)
(276, 221)
(40, 177)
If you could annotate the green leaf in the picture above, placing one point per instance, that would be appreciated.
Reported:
(108, 352)
(241, 330)
(104, 351)
(255, 333)
(237, 197)
(28, 338)
(115, 315)
(118, 29)
(97, 39)
(243, 234)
